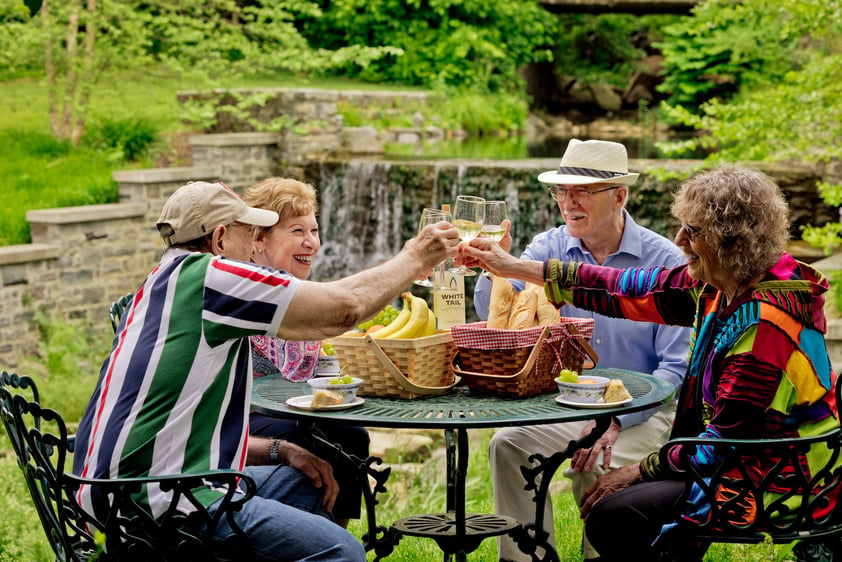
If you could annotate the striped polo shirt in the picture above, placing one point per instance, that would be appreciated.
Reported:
(173, 395)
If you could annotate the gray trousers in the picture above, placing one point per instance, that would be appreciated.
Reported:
(511, 447)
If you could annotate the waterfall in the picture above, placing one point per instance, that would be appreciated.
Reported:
(361, 218)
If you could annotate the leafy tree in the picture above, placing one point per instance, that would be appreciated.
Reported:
(465, 43)
(725, 47)
(787, 107)
(79, 41)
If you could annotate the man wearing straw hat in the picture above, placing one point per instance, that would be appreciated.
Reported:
(591, 187)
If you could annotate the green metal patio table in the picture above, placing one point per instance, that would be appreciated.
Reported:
(458, 410)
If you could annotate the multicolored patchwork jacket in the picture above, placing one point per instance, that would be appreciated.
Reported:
(758, 367)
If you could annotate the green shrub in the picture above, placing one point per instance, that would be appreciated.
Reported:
(122, 139)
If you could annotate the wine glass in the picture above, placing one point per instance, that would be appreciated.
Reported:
(430, 216)
(468, 216)
(492, 224)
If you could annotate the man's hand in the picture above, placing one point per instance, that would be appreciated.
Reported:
(434, 244)
(317, 470)
(585, 459)
(607, 484)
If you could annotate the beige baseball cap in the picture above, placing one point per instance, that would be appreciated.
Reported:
(195, 209)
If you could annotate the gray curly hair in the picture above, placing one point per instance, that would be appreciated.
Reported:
(741, 212)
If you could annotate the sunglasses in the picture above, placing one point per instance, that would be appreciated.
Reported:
(691, 231)
(559, 192)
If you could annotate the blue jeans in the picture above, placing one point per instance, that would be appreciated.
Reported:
(285, 521)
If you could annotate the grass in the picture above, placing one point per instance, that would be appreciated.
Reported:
(37, 172)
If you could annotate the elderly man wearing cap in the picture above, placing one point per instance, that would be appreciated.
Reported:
(173, 395)
(591, 189)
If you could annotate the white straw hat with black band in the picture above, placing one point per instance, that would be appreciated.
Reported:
(591, 161)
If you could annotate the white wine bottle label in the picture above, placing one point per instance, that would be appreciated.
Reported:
(449, 305)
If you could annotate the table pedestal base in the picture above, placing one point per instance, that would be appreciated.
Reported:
(442, 528)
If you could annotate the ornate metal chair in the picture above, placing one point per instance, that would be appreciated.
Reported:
(115, 311)
(125, 531)
(801, 507)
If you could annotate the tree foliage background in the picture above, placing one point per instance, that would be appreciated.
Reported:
(760, 80)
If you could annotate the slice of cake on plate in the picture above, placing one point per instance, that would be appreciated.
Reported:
(615, 391)
(322, 398)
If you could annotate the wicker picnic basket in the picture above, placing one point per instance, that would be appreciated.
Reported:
(520, 363)
(404, 368)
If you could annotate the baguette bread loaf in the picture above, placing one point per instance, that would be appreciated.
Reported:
(547, 313)
(523, 310)
(500, 303)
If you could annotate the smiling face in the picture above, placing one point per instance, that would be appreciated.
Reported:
(290, 245)
(702, 259)
(597, 217)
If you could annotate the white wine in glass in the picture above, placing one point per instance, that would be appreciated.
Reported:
(492, 224)
(468, 214)
(430, 216)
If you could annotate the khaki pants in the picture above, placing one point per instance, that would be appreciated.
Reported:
(511, 447)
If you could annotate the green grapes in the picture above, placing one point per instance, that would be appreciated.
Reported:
(341, 379)
(383, 317)
(566, 375)
(328, 348)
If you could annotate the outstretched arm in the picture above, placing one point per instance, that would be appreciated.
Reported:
(322, 310)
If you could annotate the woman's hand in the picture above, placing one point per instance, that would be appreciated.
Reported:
(607, 484)
(488, 255)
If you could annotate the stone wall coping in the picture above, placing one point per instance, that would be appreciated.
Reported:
(87, 213)
(340, 94)
(235, 139)
(163, 175)
(22, 253)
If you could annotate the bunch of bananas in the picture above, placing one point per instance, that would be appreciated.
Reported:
(415, 320)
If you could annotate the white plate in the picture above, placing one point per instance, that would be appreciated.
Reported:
(592, 405)
(303, 403)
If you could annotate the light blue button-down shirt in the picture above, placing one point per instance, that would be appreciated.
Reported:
(623, 344)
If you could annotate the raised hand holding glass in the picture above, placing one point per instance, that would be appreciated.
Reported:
(431, 216)
(468, 216)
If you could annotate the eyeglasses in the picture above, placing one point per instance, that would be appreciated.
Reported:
(691, 231)
(581, 194)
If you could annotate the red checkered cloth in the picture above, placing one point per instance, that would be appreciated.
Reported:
(477, 336)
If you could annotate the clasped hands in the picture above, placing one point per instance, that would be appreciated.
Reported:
(488, 254)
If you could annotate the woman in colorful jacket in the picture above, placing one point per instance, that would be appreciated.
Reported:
(758, 363)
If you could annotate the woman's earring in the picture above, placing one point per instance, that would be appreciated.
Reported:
(260, 251)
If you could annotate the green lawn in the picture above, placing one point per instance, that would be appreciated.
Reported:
(36, 172)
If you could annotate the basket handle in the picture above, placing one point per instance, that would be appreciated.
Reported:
(584, 347)
(399, 376)
(530, 361)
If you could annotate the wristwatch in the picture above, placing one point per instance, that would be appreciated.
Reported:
(273, 450)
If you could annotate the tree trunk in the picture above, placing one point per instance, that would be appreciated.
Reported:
(85, 93)
(70, 75)
(50, 69)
